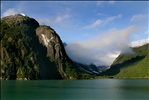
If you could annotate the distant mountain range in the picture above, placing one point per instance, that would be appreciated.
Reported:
(30, 51)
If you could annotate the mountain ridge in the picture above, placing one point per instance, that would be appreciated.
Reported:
(23, 57)
(31, 51)
(131, 66)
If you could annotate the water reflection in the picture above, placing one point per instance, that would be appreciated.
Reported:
(102, 89)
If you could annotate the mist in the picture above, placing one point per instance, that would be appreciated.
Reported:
(101, 50)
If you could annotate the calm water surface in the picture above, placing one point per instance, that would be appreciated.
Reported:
(101, 89)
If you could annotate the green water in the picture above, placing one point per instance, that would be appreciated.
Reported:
(101, 89)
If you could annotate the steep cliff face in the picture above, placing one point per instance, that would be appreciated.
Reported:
(49, 38)
(22, 56)
(30, 51)
(55, 50)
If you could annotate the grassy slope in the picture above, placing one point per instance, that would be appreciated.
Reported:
(131, 66)
(139, 69)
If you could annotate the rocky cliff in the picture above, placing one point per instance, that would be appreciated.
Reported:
(55, 51)
(30, 51)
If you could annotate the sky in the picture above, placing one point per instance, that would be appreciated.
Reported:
(94, 30)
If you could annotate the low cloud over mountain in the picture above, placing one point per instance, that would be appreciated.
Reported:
(102, 49)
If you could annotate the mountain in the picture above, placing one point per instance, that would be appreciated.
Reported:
(18, 53)
(30, 51)
(56, 52)
(134, 65)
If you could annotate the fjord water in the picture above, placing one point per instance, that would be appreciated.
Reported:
(101, 89)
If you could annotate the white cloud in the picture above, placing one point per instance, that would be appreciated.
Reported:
(17, 8)
(102, 22)
(101, 50)
(139, 42)
(95, 24)
(110, 19)
(62, 18)
(137, 17)
(10, 11)
(44, 21)
(57, 20)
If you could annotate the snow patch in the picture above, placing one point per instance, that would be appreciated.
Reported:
(46, 40)
(23, 14)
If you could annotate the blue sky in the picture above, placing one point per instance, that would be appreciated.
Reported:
(79, 20)
(95, 31)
